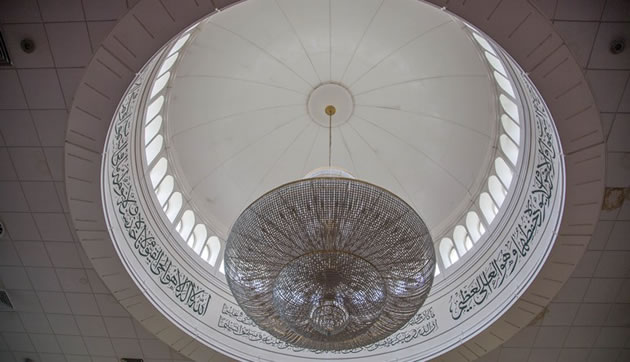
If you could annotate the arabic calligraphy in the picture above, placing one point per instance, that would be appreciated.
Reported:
(138, 231)
(517, 246)
(236, 321)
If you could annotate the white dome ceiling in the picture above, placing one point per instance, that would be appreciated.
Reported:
(424, 113)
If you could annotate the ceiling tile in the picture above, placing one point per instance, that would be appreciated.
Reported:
(613, 337)
(617, 10)
(98, 31)
(624, 105)
(11, 94)
(35, 322)
(54, 227)
(153, 348)
(600, 355)
(581, 337)
(573, 355)
(600, 235)
(11, 322)
(12, 197)
(15, 277)
(18, 342)
(50, 126)
(49, 357)
(30, 163)
(579, 9)
(588, 263)
(573, 290)
(104, 10)
(141, 331)
(607, 121)
(618, 169)
(619, 315)
(624, 291)
(546, 7)
(99, 346)
(7, 172)
(20, 226)
(55, 159)
(579, 37)
(61, 10)
(7, 356)
(44, 279)
(524, 338)
(45, 343)
(607, 87)
(69, 43)
(95, 282)
(41, 196)
(41, 87)
(69, 79)
(544, 355)
(73, 280)
(26, 301)
(83, 304)
(551, 336)
(40, 57)
(63, 254)
(127, 347)
(602, 57)
(8, 254)
(613, 264)
(109, 306)
(17, 128)
(61, 193)
(63, 324)
(618, 239)
(19, 11)
(54, 302)
(32, 253)
(591, 314)
(91, 326)
(603, 290)
(72, 345)
(120, 327)
(618, 140)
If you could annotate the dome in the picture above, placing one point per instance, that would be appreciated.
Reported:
(428, 107)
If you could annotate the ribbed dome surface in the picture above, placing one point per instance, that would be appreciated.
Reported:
(423, 108)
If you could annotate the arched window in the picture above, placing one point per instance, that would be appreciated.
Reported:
(446, 246)
(198, 237)
(509, 148)
(154, 108)
(459, 236)
(487, 206)
(509, 107)
(173, 206)
(152, 129)
(158, 171)
(164, 190)
(503, 171)
(497, 190)
(473, 224)
(154, 148)
(159, 84)
(188, 221)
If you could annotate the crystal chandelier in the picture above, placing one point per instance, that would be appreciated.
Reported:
(329, 262)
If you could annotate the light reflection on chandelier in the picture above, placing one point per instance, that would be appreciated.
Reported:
(329, 262)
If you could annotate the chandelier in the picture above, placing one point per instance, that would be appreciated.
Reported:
(329, 262)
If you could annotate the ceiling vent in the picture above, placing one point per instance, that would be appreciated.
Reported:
(5, 301)
(4, 52)
(131, 360)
